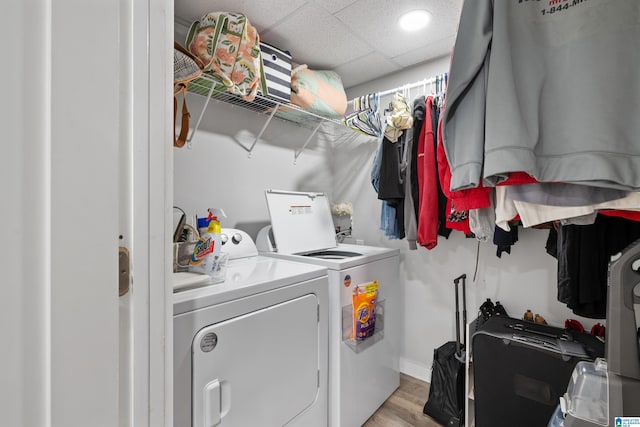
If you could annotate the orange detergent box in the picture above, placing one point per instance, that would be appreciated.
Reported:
(364, 310)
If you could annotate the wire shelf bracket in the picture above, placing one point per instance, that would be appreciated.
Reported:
(264, 127)
(297, 154)
(197, 125)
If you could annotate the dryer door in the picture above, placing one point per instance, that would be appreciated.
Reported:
(260, 368)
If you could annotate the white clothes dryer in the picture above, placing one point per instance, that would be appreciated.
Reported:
(362, 374)
(252, 350)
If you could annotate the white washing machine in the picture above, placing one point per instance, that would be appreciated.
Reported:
(362, 374)
(252, 350)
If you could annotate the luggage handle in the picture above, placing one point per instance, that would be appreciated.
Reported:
(520, 327)
(456, 281)
(535, 342)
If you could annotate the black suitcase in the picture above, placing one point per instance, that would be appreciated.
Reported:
(520, 369)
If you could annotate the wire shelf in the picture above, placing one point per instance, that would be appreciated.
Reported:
(209, 87)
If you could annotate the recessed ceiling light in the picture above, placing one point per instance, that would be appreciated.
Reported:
(414, 20)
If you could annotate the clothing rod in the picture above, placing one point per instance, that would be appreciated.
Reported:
(424, 82)
(408, 86)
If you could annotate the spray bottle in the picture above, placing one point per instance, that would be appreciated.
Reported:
(206, 253)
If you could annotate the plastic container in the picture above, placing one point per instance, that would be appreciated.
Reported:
(587, 396)
(207, 257)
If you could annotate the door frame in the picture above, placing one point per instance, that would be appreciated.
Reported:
(160, 215)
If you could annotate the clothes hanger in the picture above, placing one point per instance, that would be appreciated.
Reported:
(365, 119)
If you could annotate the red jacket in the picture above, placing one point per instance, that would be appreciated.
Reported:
(427, 183)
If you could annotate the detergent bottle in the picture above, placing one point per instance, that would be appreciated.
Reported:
(206, 257)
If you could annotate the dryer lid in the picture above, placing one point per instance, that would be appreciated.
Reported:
(301, 221)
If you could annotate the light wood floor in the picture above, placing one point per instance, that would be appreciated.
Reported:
(404, 407)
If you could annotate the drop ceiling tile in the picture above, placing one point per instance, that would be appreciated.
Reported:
(376, 22)
(316, 38)
(261, 14)
(333, 6)
(365, 69)
(427, 52)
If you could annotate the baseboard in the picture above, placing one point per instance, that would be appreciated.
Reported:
(415, 369)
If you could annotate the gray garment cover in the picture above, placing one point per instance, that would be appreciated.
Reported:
(482, 222)
(561, 194)
(549, 88)
(410, 222)
(587, 219)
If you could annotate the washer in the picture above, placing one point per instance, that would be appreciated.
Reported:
(252, 350)
(362, 374)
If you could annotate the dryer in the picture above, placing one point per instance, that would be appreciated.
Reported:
(362, 374)
(251, 350)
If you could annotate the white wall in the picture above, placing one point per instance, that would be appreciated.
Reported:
(412, 74)
(218, 173)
